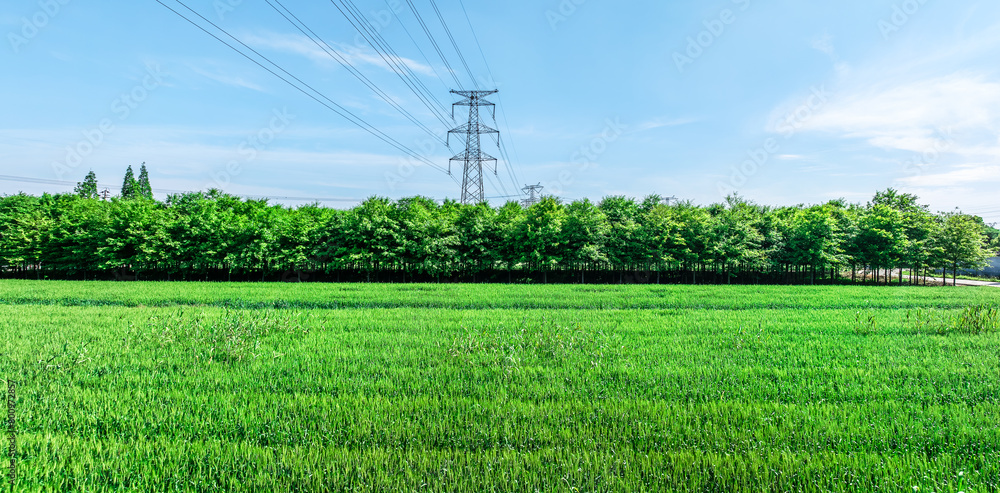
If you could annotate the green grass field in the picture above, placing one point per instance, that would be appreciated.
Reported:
(268, 387)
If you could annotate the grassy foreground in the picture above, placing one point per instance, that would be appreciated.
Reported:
(234, 387)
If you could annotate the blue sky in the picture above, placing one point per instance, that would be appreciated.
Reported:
(783, 102)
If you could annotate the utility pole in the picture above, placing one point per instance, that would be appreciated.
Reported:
(473, 157)
(668, 200)
(534, 193)
(105, 193)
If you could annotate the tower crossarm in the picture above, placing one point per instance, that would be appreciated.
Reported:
(462, 156)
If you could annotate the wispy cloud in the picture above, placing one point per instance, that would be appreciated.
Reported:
(659, 123)
(354, 55)
(904, 116)
(824, 43)
(226, 79)
(968, 174)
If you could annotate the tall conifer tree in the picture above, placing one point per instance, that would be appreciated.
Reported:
(144, 189)
(129, 185)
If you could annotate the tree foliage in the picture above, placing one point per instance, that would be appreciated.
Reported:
(129, 185)
(189, 235)
(88, 187)
(142, 187)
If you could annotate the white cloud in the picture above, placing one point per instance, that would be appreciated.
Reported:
(824, 44)
(229, 80)
(939, 114)
(968, 174)
(659, 123)
(959, 100)
(354, 55)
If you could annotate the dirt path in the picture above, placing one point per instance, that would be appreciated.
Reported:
(966, 282)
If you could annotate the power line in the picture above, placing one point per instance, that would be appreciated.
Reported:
(508, 163)
(437, 47)
(399, 68)
(400, 60)
(417, 45)
(167, 191)
(336, 108)
(454, 44)
(323, 45)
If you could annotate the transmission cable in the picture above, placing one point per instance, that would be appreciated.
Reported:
(454, 44)
(417, 45)
(323, 45)
(402, 61)
(393, 65)
(509, 164)
(434, 42)
(333, 106)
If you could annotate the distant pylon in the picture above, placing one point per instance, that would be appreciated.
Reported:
(473, 157)
(534, 192)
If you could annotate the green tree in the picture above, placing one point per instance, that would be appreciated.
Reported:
(584, 235)
(143, 188)
(815, 238)
(508, 219)
(538, 235)
(129, 185)
(74, 243)
(963, 242)
(695, 224)
(134, 235)
(913, 229)
(25, 222)
(623, 247)
(480, 244)
(660, 233)
(88, 187)
(371, 237)
(735, 238)
(427, 233)
(880, 240)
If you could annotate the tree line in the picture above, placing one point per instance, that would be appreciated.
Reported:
(215, 236)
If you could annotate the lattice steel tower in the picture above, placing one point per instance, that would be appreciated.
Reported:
(533, 192)
(473, 157)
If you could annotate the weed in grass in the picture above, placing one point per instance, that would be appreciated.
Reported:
(971, 320)
(747, 337)
(865, 323)
(536, 343)
(978, 319)
(232, 336)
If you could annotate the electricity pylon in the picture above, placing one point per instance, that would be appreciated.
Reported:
(534, 191)
(473, 157)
